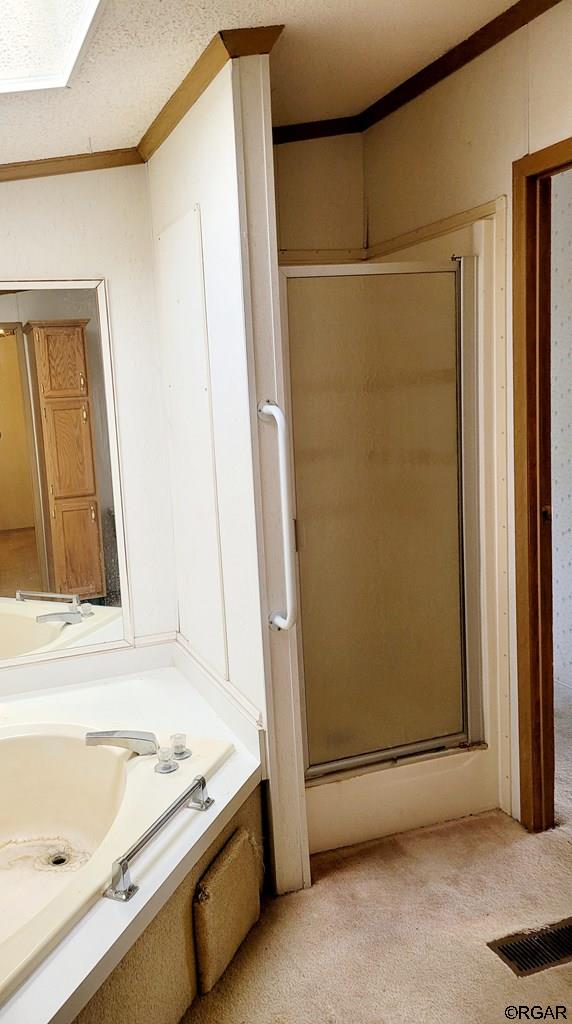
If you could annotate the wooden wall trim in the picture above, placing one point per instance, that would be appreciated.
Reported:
(248, 42)
(226, 45)
(531, 383)
(320, 257)
(317, 257)
(210, 62)
(351, 125)
(504, 25)
(69, 164)
(435, 230)
(516, 17)
(549, 160)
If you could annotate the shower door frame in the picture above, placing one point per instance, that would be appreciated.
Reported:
(465, 270)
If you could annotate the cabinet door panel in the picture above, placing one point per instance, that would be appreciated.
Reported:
(78, 562)
(69, 449)
(62, 361)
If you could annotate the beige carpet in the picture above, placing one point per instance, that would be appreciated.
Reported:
(395, 931)
(563, 755)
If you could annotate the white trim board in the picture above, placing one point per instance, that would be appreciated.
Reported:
(288, 828)
(244, 720)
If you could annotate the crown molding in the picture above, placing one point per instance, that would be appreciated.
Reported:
(69, 164)
(226, 45)
(495, 31)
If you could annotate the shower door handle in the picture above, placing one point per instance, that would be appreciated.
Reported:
(284, 620)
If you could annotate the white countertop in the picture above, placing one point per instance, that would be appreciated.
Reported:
(164, 702)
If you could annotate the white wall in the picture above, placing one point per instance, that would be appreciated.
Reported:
(96, 225)
(561, 412)
(194, 188)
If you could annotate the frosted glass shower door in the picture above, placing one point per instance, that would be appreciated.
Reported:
(375, 391)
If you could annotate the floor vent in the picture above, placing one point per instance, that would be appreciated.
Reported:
(529, 952)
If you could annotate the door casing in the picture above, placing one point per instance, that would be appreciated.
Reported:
(533, 501)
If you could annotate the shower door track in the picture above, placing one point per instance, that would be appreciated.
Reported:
(390, 756)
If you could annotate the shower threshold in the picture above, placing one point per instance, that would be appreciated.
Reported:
(390, 758)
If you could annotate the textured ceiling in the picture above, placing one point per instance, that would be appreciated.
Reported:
(334, 58)
(36, 38)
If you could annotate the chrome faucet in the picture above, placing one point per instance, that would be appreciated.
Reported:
(137, 742)
(71, 613)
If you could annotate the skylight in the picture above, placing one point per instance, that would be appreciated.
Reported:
(41, 41)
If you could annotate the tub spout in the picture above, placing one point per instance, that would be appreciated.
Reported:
(137, 742)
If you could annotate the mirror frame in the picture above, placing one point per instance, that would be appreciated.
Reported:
(100, 287)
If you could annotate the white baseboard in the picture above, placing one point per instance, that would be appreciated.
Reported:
(152, 639)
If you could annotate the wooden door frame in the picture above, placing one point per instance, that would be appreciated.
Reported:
(532, 444)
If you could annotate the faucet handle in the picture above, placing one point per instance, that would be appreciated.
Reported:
(166, 762)
(180, 748)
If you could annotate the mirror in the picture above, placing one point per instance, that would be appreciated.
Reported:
(60, 585)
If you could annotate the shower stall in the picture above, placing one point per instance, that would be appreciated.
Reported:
(381, 478)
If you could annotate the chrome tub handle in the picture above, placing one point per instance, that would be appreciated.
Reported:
(122, 888)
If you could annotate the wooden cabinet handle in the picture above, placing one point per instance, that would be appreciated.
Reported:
(82, 381)
(92, 511)
(84, 414)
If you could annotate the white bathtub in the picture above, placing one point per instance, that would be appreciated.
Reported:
(80, 807)
(21, 634)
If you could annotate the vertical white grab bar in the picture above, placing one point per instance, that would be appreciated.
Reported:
(284, 620)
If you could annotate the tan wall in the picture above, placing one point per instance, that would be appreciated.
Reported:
(319, 193)
(16, 497)
(449, 150)
(453, 147)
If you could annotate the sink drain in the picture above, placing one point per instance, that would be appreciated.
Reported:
(57, 859)
(42, 853)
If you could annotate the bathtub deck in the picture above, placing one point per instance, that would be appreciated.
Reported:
(162, 701)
